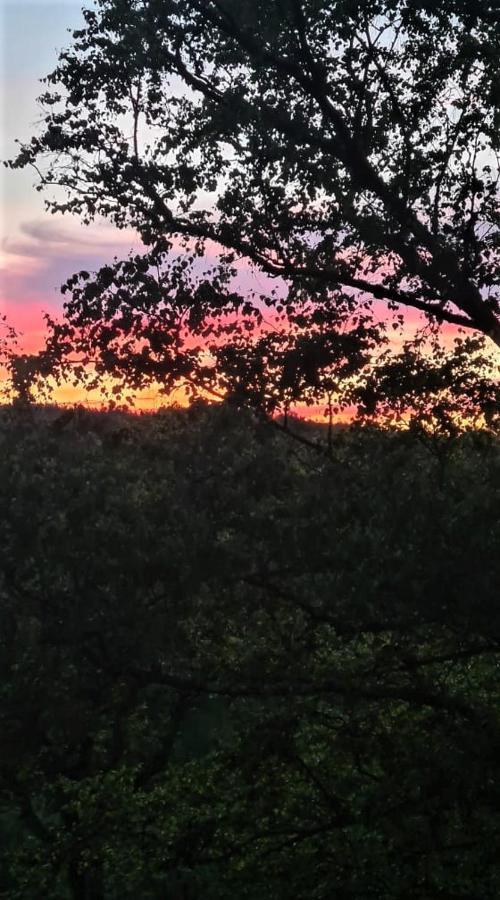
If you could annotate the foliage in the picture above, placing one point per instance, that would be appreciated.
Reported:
(433, 388)
(8, 348)
(232, 666)
(346, 153)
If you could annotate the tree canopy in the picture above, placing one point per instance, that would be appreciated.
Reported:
(233, 668)
(345, 153)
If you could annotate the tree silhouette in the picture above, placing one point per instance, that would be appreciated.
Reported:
(348, 151)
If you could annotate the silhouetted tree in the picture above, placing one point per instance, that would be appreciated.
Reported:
(349, 150)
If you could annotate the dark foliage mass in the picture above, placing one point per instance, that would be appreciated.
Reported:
(347, 153)
(234, 667)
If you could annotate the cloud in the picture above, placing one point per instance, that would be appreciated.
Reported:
(52, 231)
(45, 231)
(46, 252)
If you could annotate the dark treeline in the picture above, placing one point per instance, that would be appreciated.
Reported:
(234, 667)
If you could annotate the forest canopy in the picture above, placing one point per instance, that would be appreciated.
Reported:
(234, 668)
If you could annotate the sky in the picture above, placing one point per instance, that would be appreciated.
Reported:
(35, 255)
(38, 250)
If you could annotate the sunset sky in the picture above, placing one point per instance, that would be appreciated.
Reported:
(37, 251)
(40, 251)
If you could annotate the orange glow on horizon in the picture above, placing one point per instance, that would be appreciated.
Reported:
(28, 320)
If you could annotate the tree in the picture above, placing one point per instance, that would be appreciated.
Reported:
(348, 150)
(8, 354)
(202, 696)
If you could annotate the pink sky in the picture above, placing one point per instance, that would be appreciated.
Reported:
(38, 251)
